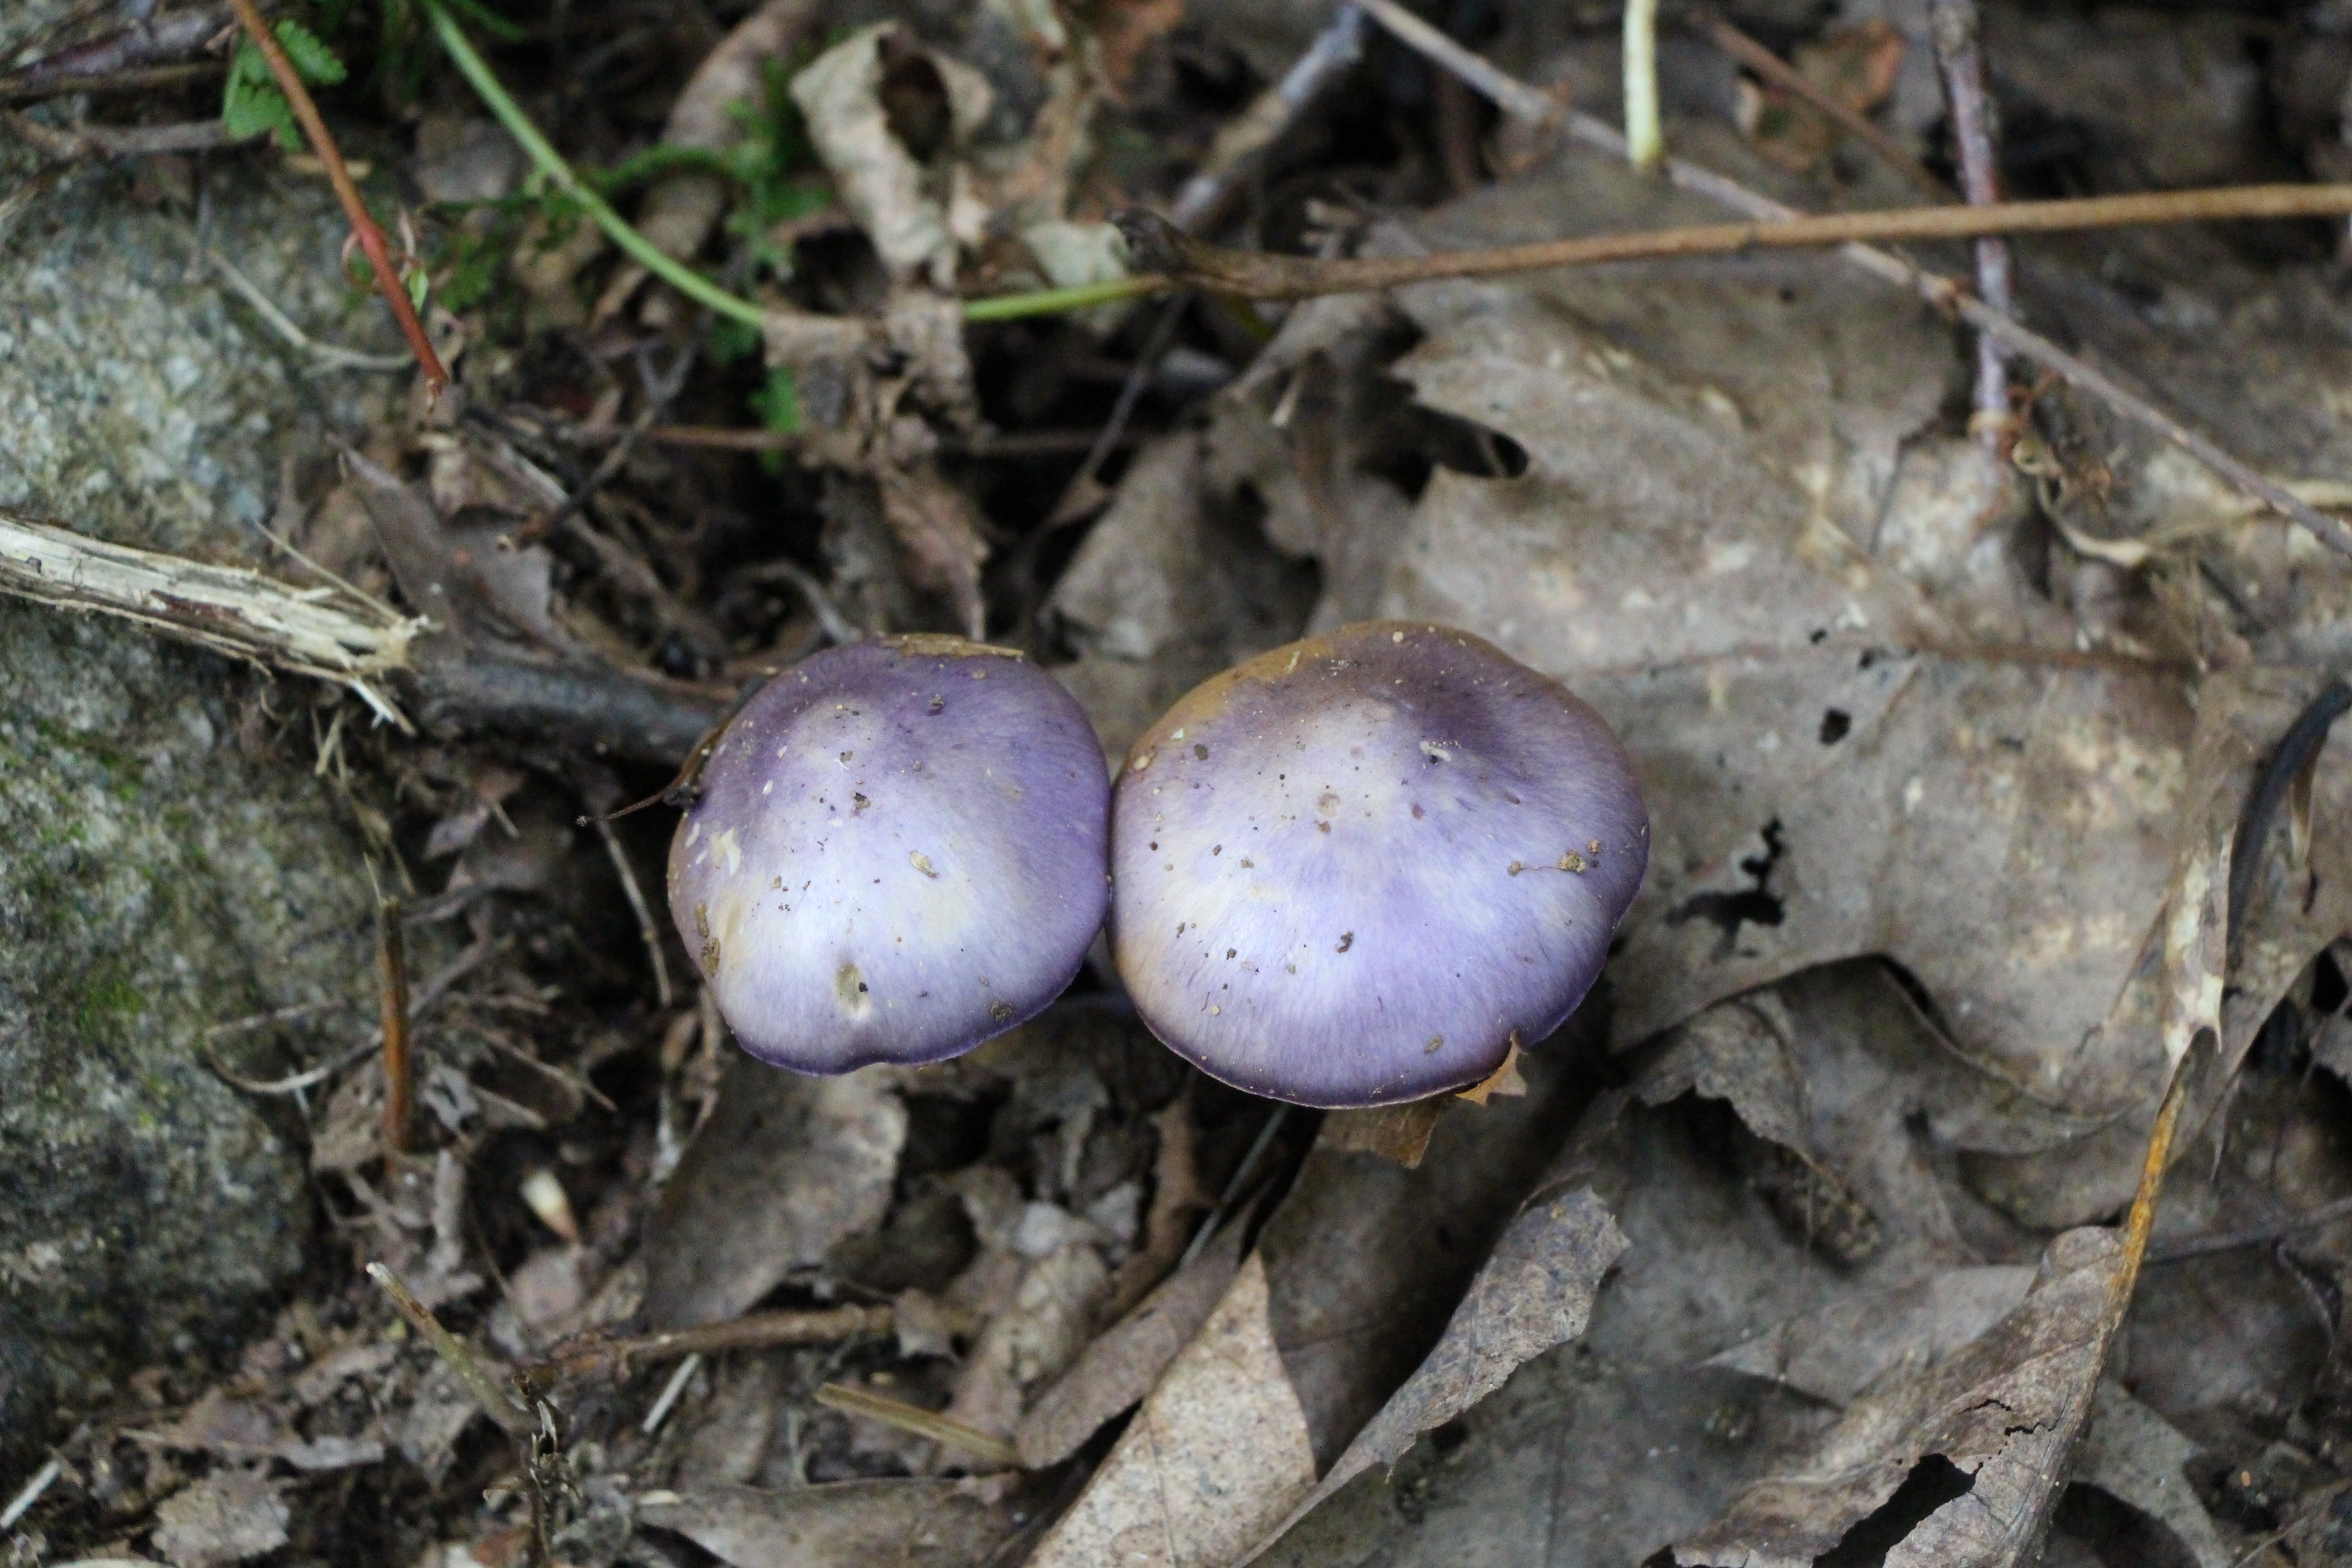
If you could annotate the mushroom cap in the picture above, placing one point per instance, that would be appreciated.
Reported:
(898, 852)
(1351, 871)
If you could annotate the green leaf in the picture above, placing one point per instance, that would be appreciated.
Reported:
(251, 103)
(313, 61)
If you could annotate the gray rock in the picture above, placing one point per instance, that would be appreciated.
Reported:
(162, 867)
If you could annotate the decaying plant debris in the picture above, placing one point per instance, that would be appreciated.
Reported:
(1953, 1166)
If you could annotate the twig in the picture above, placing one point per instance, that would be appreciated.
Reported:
(1085, 493)
(1012, 444)
(1242, 1173)
(836, 625)
(31, 1492)
(294, 1083)
(760, 1330)
(459, 1356)
(1256, 276)
(985, 1446)
(1524, 102)
(263, 1020)
(121, 141)
(1780, 73)
(143, 78)
(331, 158)
(670, 1394)
(1645, 137)
(647, 931)
(124, 51)
(224, 608)
(1242, 145)
(1975, 138)
(399, 1075)
(2258, 1235)
(1514, 97)
(333, 354)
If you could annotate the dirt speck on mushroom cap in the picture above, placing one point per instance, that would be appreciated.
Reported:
(896, 853)
(1346, 872)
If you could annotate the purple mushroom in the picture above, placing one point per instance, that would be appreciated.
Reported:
(1350, 871)
(897, 851)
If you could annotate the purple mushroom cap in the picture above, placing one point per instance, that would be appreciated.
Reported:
(898, 852)
(1350, 871)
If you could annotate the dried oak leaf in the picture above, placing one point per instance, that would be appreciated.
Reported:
(786, 1169)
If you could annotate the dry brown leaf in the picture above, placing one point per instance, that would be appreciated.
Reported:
(1120, 1367)
(2005, 1411)
(1534, 1293)
(784, 1170)
(229, 1516)
(1815, 792)
(1217, 1455)
(458, 576)
(1717, 1349)
(728, 1439)
(1352, 1282)
(2136, 1456)
(919, 1524)
(937, 530)
(888, 192)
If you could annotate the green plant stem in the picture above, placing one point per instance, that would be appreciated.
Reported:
(1047, 302)
(675, 273)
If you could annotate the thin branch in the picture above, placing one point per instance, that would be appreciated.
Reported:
(647, 932)
(1240, 148)
(459, 1356)
(121, 140)
(359, 645)
(1975, 138)
(143, 78)
(760, 1330)
(1524, 103)
(1645, 137)
(1256, 276)
(331, 355)
(331, 158)
(126, 51)
(226, 608)
(1777, 72)
(986, 1447)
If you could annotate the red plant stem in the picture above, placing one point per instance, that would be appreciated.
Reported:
(331, 157)
(1975, 136)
